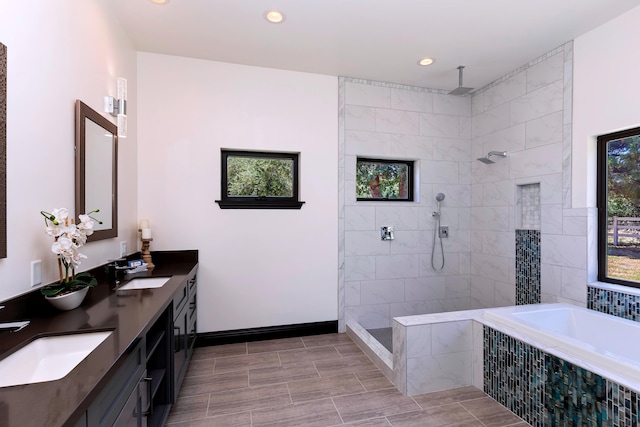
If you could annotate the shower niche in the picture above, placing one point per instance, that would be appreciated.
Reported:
(528, 224)
(528, 215)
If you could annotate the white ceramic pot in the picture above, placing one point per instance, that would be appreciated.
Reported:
(68, 301)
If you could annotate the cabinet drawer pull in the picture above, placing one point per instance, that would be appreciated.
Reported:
(177, 339)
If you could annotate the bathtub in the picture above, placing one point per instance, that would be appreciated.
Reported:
(599, 342)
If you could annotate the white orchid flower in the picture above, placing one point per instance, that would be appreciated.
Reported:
(61, 214)
(85, 221)
(61, 245)
(76, 259)
(68, 237)
(86, 224)
(55, 230)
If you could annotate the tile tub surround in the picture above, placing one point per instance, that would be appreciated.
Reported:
(513, 365)
(546, 390)
(616, 300)
(310, 381)
(598, 342)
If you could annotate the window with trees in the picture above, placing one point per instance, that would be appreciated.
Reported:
(259, 180)
(619, 207)
(389, 180)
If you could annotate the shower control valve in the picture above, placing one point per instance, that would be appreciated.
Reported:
(386, 232)
(443, 232)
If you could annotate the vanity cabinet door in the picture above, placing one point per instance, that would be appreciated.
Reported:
(180, 332)
(193, 314)
(131, 415)
(107, 407)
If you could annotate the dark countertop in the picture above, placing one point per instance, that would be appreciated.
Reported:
(128, 313)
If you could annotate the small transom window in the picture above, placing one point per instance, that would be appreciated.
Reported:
(259, 180)
(389, 180)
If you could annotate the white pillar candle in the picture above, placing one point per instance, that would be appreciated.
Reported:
(144, 223)
(146, 233)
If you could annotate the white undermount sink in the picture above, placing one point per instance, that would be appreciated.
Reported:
(144, 283)
(48, 358)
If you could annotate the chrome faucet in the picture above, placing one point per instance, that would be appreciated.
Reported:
(11, 325)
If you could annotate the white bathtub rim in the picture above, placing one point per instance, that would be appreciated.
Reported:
(604, 365)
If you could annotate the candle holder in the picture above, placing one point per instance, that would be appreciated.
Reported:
(146, 254)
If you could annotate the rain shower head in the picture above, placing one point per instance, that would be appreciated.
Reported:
(460, 90)
(487, 160)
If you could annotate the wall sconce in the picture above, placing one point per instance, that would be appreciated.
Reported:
(117, 107)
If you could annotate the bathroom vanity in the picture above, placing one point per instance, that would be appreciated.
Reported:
(134, 375)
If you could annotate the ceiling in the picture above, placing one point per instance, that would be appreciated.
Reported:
(372, 39)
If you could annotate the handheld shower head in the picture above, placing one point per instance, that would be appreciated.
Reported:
(487, 160)
(440, 197)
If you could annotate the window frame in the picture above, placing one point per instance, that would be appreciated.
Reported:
(602, 204)
(410, 182)
(259, 202)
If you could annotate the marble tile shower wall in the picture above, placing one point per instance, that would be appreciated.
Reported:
(383, 279)
(527, 113)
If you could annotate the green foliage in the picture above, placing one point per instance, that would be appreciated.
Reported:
(623, 176)
(259, 177)
(79, 281)
(378, 180)
(622, 207)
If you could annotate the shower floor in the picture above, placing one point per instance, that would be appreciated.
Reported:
(384, 336)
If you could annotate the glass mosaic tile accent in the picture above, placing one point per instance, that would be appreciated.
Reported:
(529, 201)
(527, 267)
(545, 390)
(615, 303)
(573, 395)
(514, 375)
(622, 405)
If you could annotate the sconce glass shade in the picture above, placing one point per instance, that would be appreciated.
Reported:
(122, 125)
(117, 107)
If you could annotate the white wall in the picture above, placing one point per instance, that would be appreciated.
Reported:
(606, 88)
(58, 52)
(257, 267)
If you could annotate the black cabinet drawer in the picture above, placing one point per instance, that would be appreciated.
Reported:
(106, 408)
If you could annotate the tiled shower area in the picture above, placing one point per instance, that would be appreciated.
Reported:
(512, 239)
(511, 225)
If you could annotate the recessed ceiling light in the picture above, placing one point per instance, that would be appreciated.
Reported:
(425, 61)
(274, 16)
(160, 2)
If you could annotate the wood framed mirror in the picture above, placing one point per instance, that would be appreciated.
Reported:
(97, 170)
(3, 151)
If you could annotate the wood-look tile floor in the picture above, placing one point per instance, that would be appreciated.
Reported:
(322, 380)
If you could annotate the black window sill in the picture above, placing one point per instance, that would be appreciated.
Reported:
(258, 204)
(360, 199)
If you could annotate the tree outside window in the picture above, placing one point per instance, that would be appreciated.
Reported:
(389, 180)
